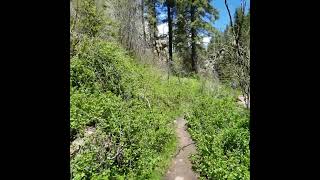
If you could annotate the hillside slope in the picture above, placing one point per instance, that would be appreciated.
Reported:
(122, 116)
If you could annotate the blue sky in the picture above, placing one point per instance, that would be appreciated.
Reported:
(220, 24)
(223, 20)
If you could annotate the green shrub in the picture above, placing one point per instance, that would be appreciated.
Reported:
(221, 131)
(132, 108)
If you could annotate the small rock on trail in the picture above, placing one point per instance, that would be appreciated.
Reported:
(181, 167)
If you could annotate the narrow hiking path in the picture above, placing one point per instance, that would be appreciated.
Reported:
(181, 167)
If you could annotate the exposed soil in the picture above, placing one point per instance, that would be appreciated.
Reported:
(181, 167)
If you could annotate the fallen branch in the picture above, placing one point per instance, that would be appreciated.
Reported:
(148, 102)
(183, 148)
(119, 151)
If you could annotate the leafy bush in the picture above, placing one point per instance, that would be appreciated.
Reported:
(89, 22)
(221, 131)
(122, 112)
(132, 108)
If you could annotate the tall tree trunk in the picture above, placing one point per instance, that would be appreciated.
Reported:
(193, 39)
(142, 20)
(155, 29)
(153, 25)
(170, 34)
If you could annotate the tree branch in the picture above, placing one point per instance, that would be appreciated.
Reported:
(183, 148)
(226, 4)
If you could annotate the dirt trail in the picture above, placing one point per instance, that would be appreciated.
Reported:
(180, 168)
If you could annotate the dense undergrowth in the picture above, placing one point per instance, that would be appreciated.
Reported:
(132, 107)
(221, 129)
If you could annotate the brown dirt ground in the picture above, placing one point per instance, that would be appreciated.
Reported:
(181, 167)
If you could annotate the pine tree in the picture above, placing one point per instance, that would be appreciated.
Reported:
(194, 20)
(193, 36)
(152, 20)
(169, 4)
(182, 39)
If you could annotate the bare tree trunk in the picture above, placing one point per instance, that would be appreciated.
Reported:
(230, 17)
(153, 26)
(235, 36)
(155, 29)
(193, 39)
(242, 69)
(142, 20)
(170, 33)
